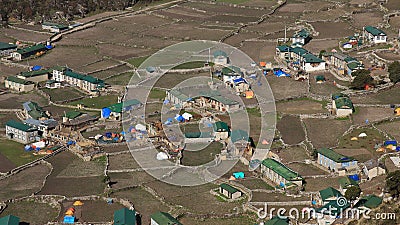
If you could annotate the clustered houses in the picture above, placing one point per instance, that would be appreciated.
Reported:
(6, 49)
(20, 132)
(301, 58)
(205, 99)
(342, 106)
(280, 174)
(34, 111)
(374, 35)
(334, 161)
(23, 53)
(343, 64)
(114, 112)
(84, 82)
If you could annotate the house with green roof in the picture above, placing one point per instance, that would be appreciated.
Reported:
(6, 49)
(220, 57)
(334, 161)
(9, 220)
(345, 183)
(374, 35)
(301, 37)
(28, 51)
(221, 130)
(17, 84)
(229, 191)
(71, 115)
(82, 81)
(301, 58)
(163, 218)
(124, 217)
(35, 76)
(114, 111)
(279, 173)
(342, 107)
(344, 64)
(329, 194)
(368, 202)
(276, 220)
(54, 27)
(34, 111)
(329, 212)
(20, 132)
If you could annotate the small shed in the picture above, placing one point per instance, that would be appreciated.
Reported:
(9, 220)
(320, 79)
(229, 191)
(221, 130)
(69, 219)
(124, 217)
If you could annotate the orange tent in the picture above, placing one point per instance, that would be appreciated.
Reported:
(71, 209)
(249, 94)
(78, 203)
(263, 64)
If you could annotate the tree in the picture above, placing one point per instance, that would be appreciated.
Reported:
(323, 51)
(352, 193)
(393, 183)
(362, 78)
(394, 71)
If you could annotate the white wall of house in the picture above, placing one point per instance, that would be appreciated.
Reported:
(310, 67)
(16, 56)
(221, 60)
(58, 76)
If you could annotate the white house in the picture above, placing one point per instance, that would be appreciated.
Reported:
(342, 107)
(333, 160)
(229, 191)
(220, 58)
(6, 49)
(20, 132)
(374, 35)
(301, 38)
(372, 169)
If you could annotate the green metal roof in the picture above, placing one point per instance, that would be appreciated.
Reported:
(239, 135)
(320, 78)
(9, 220)
(346, 182)
(87, 78)
(281, 169)
(369, 201)
(303, 33)
(229, 188)
(329, 193)
(220, 126)
(34, 73)
(231, 70)
(118, 106)
(374, 31)
(338, 95)
(220, 53)
(277, 221)
(20, 126)
(6, 46)
(177, 94)
(72, 114)
(284, 48)
(311, 58)
(333, 207)
(18, 80)
(344, 103)
(163, 218)
(36, 112)
(197, 134)
(299, 51)
(339, 158)
(32, 49)
(124, 217)
(355, 65)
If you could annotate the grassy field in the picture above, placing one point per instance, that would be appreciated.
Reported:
(191, 65)
(229, 221)
(157, 94)
(15, 152)
(28, 212)
(291, 130)
(63, 94)
(137, 60)
(121, 79)
(4, 117)
(254, 183)
(97, 102)
(122, 161)
(195, 158)
(123, 180)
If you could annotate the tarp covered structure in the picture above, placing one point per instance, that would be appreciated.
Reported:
(280, 73)
(69, 220)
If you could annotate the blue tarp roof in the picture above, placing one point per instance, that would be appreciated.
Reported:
(239, 80)
(238, 175)
(390, 142)
(36, 67)
(69, 219)
(280, 73)
(106, 112)
(49, 46)
(354, 177)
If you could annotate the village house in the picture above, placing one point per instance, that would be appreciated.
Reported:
(84, 82)
(221, 130)
(20, 132)
(220, 58)
(35, 76)
(54, 27)
(52, 84)
(6, 49)
(374, 35)
(280, 174)
(231, 73)
(344, 64)
(372, 168)
(23, 53)
(242, 142)
(342, 106)
(115, 111)
(329, 194)
(75, 119)
(229, 191)
(334, 161)
(18, 84)
(240, 85)
(345, 183)
(276, 220)
(43, 126)
(9, 220)
(163, 218)
(124, 216)
(198, 137)
(301, 38)
(367, 203)
(301, 58)
(328, 213)
(34, 111)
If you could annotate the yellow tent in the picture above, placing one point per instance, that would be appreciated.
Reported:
(69, 213)
(397, 111)
(78, 203)
(354, 139)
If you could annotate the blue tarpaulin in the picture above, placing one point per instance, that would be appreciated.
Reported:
(36, 67)
(180, 118)
(354, 177)
(105, 112)
(390, 142)
(49, 46)
(280, 73)
(238, 175)
(166, 101)
(398, 148)
(108, 134)
(69, 219)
